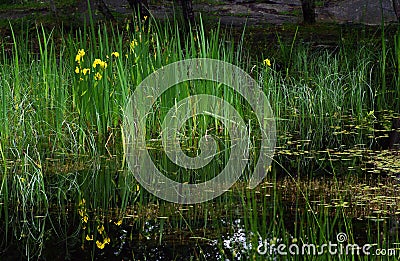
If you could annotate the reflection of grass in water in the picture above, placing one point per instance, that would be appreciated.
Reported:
(286, 209)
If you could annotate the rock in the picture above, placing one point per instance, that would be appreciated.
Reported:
(358, 11)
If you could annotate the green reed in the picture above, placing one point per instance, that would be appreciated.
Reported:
(320, 94)
(396, 62)
(57, 91)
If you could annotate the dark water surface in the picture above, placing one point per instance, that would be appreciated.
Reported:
(230, 227)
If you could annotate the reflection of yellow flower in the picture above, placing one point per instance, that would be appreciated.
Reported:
(100, 244)
(97, 76)
(133, 44)
(100, 229)
(116, 54)
(76, 70)
(86, 71)
(89, 238)
(267, 62)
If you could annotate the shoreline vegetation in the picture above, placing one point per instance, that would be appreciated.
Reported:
(64, 180)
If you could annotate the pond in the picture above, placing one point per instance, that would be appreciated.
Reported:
(240, 224)
(94, 209)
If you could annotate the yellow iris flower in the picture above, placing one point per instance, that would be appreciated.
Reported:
(79, 55)
(267, 62)
(98, 76)
(86, 71)
(99, 62)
